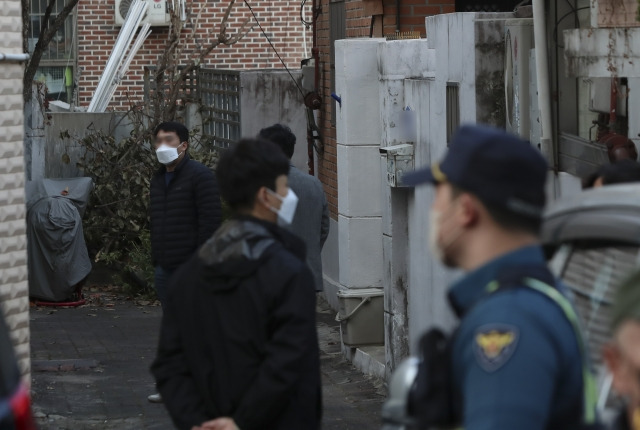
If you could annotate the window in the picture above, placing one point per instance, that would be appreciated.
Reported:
(453, 110)
(58, 61)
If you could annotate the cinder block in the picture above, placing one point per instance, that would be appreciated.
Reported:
(358, 118)
(359, 192)
(360, 251)
(402, 59)
(357, 58)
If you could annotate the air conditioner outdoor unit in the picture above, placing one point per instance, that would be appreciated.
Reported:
(157, 12)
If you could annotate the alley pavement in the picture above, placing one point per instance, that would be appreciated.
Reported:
(90, 368)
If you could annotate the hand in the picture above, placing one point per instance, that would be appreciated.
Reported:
(223, 423)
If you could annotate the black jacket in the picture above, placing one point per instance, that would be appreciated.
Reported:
(184, 214)
(621, 421)
(238, 335)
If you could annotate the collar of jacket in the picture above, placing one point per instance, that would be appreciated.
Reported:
(246, 238)
(464, 294)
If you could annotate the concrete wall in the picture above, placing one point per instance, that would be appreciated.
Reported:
(62, 154)
(382, 229)
(13, 241)
(268, 97)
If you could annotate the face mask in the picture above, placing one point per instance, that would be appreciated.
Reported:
(435, 228)
(167, 154)
(287, 208)
(434, 231)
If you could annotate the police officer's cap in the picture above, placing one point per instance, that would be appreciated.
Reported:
(497, 167)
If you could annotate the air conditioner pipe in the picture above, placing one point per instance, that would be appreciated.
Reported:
(13, 58)
(544, 92)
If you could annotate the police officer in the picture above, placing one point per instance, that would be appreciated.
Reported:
(516, 358)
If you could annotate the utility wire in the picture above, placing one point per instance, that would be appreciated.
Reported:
(305, 23)
(274, 48)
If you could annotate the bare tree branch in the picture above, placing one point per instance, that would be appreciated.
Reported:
(169, 78)
(26, 24)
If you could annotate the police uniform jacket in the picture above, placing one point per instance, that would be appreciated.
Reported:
(238, 335)
(184, 213)
(516, 359)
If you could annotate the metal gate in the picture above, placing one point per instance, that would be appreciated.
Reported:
(220, 99)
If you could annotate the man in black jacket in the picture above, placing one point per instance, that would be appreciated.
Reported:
(185, 204)
(238, 347)
(185, 207)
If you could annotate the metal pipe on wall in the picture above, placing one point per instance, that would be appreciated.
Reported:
(544, 91)
(397, 15)
(14, 58)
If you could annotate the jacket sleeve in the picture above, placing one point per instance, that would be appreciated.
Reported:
(326, 221)
(511, 385)
(207, 204)
(173, 377)
(292, 339)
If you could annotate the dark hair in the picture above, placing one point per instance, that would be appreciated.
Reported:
(246, 167)
(506, 219)
(172, 126)
(620, 172)
(282, 136)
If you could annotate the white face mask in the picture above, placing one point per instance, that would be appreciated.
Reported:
(439, 250)
(434, 231)
(287, 208)
(167, 154)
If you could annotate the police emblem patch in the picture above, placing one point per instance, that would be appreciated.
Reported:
(494, 344)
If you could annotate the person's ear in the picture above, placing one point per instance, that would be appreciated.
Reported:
(614, 362)
(468, 210)
(262, 198)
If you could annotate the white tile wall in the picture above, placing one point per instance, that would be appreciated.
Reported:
(14, 289)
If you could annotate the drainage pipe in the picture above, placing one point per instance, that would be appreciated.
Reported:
(544, 91)
(14, 58)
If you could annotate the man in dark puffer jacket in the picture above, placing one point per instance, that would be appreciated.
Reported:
(185, 204)
(238, 346)
(185, 207)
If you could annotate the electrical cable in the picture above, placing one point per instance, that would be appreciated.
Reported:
(558, 22)
(274, 49)
(305, 23)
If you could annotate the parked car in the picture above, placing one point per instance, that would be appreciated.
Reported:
(593, 240)
(15, 403)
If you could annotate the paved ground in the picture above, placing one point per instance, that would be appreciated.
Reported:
(90, 369)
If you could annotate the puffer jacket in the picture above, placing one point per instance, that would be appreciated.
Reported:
(184, 214)
(238, 336)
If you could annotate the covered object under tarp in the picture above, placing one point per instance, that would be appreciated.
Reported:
(58, 257)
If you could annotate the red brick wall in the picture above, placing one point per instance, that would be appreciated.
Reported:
(97, 33)
(358, 24)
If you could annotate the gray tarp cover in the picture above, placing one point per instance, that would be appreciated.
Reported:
(58, 257)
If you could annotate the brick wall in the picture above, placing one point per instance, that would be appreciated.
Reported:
(97, 33)
(14, 291)
(358, 24)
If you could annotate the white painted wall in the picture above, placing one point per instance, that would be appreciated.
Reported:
(381, 235)
(359, 133)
